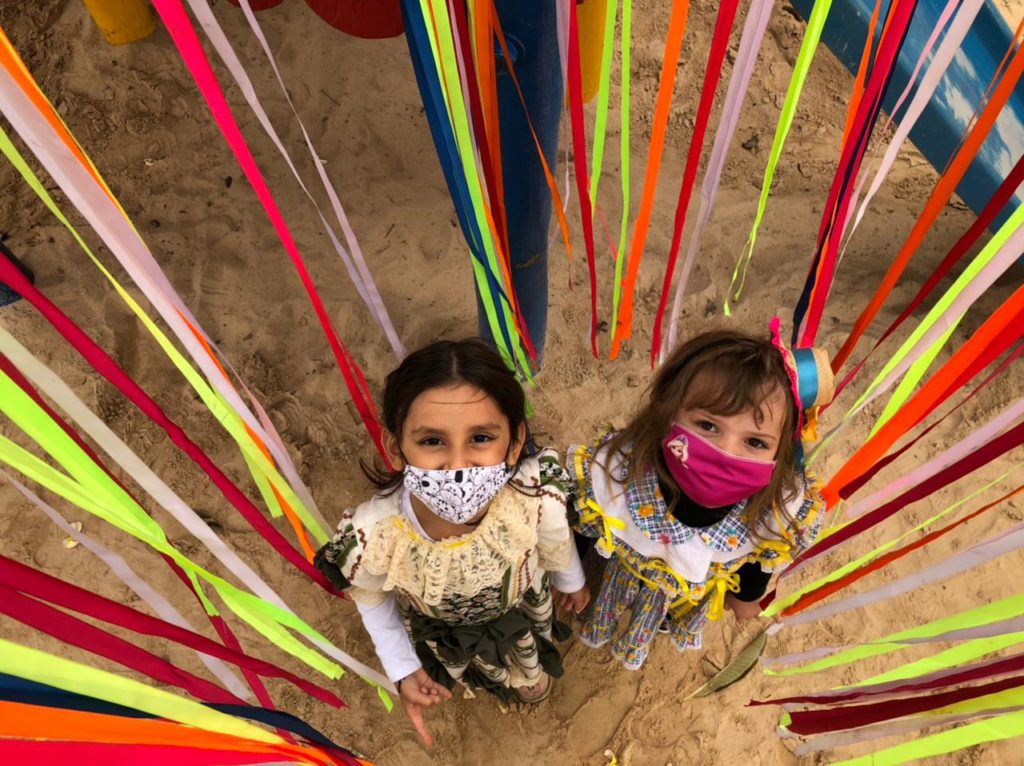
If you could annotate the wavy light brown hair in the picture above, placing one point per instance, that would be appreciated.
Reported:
(723, 372)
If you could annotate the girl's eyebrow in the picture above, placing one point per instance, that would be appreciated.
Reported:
(436, 430)
(487, 427)
(427, 430)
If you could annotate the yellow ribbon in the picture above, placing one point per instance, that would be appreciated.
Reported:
(411, 533)
(781, 549)
(720, 584)
(607, 542)
(680, 581)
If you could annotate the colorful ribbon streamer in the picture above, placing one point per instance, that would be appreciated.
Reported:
(812, 36)
(355, 264)
(811, 303)
(915, 355)
(109, 369)
(27, 109)
(579, 143)
(712, 74)
(136, 584)
(50, 669)
(180, 29)
(59, 392)
(936, 202)
(24, 581)
(622, 321)
(743, 69)
(989, 341)
(952, 41)
(988, 620)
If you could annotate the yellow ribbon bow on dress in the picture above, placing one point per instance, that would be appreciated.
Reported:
(606, 544)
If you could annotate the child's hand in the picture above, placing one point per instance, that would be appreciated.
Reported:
(744, 610)
(419, 690)
(573, 602)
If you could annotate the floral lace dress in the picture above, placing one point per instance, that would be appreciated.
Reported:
(660, 567)
(478, 607)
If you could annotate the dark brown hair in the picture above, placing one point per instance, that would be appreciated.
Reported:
(725, 373)
(439, 365)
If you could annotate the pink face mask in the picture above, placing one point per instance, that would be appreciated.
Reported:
(708, 475)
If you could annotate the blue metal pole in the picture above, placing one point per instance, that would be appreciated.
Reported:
(531, 31)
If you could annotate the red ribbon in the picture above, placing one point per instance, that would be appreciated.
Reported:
(822, 592)
(579, 156)
(839, 199)
(713, 73)
(975, 672)
(808, 722)
(995, 448)
(76, 632)
(31, 582)
(109, 369)
(995, 204)
(855, 485)
(51, 752)
(184, 36)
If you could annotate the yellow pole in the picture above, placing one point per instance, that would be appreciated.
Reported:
(591, 17)
(122, 21)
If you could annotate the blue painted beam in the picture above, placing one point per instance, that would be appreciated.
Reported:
(937, 133)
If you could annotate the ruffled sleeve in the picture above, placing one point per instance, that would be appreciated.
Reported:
(342, 562)
(341, 559)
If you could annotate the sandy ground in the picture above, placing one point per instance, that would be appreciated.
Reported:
(139, 116)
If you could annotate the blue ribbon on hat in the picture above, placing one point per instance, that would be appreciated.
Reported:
(806, 376)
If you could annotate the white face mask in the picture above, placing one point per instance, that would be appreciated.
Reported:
(459, 495)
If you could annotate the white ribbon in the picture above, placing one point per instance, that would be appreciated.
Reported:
(124, 242)
(936, 69)
(58, 391)
(750, 45)
(976, 555)
(140, 587)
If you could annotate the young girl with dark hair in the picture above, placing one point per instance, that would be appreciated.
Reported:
(451, 563)
(703, 494)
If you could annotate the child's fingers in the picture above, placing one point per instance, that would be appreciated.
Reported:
(417, 723)
(419, 695)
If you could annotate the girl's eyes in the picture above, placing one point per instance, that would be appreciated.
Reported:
(757, 443)
(706, 425)
(437, 441)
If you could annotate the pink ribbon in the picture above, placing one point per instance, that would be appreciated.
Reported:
(180, 28)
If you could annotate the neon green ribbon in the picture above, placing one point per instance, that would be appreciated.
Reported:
(957, 655)
(442, 46)
(45, 668)
(920, 367)
(90, 488)
(601, 118)
(982, 615)
(988, 730)
(791, 598)
(624, 76)
(796, 84)
(219, 408)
